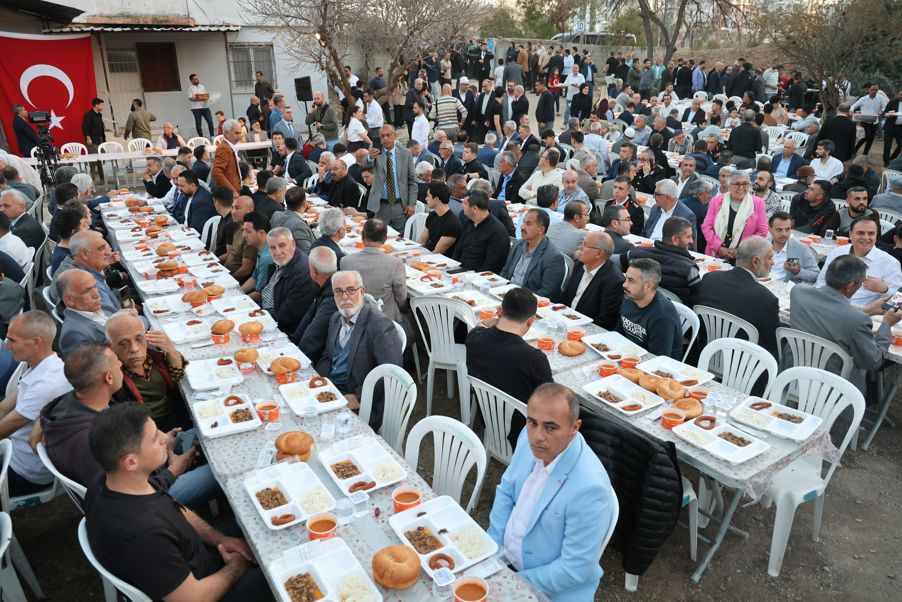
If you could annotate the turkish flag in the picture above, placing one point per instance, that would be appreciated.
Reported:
(51, 73)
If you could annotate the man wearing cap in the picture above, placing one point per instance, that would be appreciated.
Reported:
(627, 138)
(891, 199)
(805, 176)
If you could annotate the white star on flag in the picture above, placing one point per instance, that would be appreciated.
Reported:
(55, 122)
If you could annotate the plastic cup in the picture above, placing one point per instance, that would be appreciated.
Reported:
(546, 343)
(174, 254)
(359, 245)
(316, 520)
(284, 379)
(486, 313)
(897, 339)
(672, 417)
(402, 506)
(250, 338)
(842, 240)
(641, 199)
(246, 367)
(544, 301)
(630, 361)
(183, 268)
(815, 239)
(575, 333)
(213, 298)
(219, 339)
(144, 223)
(267, 410)
(713, 267)
(699, 393)
(152, 274)
(141, 246)
(607, 368)
(466, 589)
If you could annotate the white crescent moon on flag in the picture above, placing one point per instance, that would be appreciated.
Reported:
(36, 71)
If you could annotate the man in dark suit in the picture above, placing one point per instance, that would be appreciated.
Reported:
(745, 142)
(787, 164)
(25, 135)
(519, 105)
(289, 290)
(450, 163)
(544, 266)
(739, 293)
(544, 107)
(295, 165)
(12, 203)
(595, 288)
(468, 100)
(360, 338)
(666, 202)
(156, 182)
(345, 191)
(202, 207)
(201, 163)
(694, 114)
(526, 137)
(892, 130)
(841, 130)
(508, 187)
(529, 159)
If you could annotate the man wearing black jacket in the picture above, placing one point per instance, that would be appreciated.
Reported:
(92, 129)
(508, 188)
(289, 290)
(155, 181)
(742, 82)
(544, 106)
(841, 130)
(745, 142)
(811, 209)
(683, 86)
(25, 135)
(892, 130)
(649, 172)
(595, 288)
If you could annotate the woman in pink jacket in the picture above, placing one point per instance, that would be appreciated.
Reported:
(733, 217)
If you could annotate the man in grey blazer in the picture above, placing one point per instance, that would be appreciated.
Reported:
(360, 338)
(12, 300)
(292, 218)
(827, 313)
(786, 247)
(533, 261)
(685, 177)
(392, 202)
(666, 206)
(85, 317)
(286, 126)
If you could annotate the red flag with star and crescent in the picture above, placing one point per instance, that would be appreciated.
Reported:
(50, 73)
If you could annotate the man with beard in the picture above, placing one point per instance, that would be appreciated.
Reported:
(289, 290)
(647, 317)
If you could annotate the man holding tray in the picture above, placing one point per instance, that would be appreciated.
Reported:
(554, 505)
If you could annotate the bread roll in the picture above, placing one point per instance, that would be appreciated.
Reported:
(214, 290)
(670, 389)
(163, 249)
(571, 348)
(691, 406)
(284, 365)
(222, 327)
(649, 382)
(632, 374)
(397, 567)
(251, 328)
(246, 356)
(295, 443)
(195, 297)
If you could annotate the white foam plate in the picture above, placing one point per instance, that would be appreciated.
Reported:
(489, 279)
(442, 513)
(616, 342)
(202, 374)
(679, 370)
(426, 288)
(240, 303)
(179, 332)
(721, 448)
(307, 397)
(367, 454)
(329, 562)
(294, 481)
(153, 287)
(561, 315)
(283, 349)
(224, 423)
(623, 389)
(269, 324)
(170, 304)
(434, 260)
(773, 425)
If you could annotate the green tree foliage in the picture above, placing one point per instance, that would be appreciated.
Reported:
(502, 24)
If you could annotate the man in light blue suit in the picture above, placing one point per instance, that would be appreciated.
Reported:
(555, 504)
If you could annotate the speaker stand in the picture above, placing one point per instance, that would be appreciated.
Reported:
(309, 131)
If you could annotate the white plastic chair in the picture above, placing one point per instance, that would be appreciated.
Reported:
(774, 132)
(801, 138)
(198, 141)
(811, 351)
(886, 226)
(312, 180)
(741, 362)
(612, 136)
(111, 583)
(435, 316)
(137, 145)
(672, 296)
(889, 215)
(709, 180)
(210, 229)
(497, 411)
(111, 147)
(415, 225)
(76, 491)
(457, 449)
(48, 302)
(568, 269)
(825, 395)
(27, 279)
(362, 189)
(722, 325)
(494, 176)
(400, 397)
(16, 555)
(12, 590)
(218, 139)
(74, 147)
(787, 196)
(736, 100)
(700, 95)
(887, 175)
(689, 321)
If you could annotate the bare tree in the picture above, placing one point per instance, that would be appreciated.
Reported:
(327, 33)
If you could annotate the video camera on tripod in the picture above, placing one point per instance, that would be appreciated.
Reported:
(46, 153)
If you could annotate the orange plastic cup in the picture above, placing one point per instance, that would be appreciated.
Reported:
(815, 239)
(213, 298)
(408, 500)
(183, 268)
(842, 240)
(322, 526)
(284, 379)
(607, 368)
(250, 338)
(546, 342)
(575, 333)
(713, 267)
(671, 418)
(699, 393)
(486, 313)
(630, 361)
(897, 339)
(470, 588)
(805, 241)
(174, 254)
(268, 410)
(144, 223)
(359, 245)
(141, 246)
(151, 274)
(219, 339)
(544, 301)
(246, 367)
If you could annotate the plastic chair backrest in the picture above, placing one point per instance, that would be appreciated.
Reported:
(6, 454)
(494, 176)
(139, 144)
(887, 175)
(812, 351)
(373, 301)
(362, 189)
(822, 394)
(436, 316)
(312, 181)
(129, 591)
(788, 195)
(886, 226)
(736, 100)
(676, 300)
(110, 147)
(613, 136)
(415, 225)
(45, 292)
(774, 132)
(497, 410)
(742, 363)
(74, 147)
(210, 229)
(400, 397)
(800, 138)
(689, 320)
(6, 533)
(457, 449)
(722, 325)
(76, 492)
(701, 95)
(889, 215)
(197, 141)
(710, 180)
(218, 140)
(568, 269)
(28, 269)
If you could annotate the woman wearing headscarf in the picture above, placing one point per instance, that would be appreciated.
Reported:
(733, 217)
(604, 110)
(581, 105)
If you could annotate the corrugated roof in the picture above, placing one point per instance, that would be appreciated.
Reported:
(58, 13)
(115, 28)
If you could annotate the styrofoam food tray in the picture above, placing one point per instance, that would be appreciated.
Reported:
(426, 288)
(154, 287)
(616, 342)
(202, 374)
(772, 424)
(561, 315)
(679, 370)
(179, 332)
(308, 397)
(294, 481)
(240, 317)
(367, 454)
(624, 389)
(171, 304)
(224, 421)
(238, 303)
(285, 349)
(719, 447)
(329, 562)
(442, 513)
(490, 279)
(435, 260)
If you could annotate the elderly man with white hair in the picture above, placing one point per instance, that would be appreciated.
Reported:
(226, 170)
(359, 339)
(571, 192)
(332, 230)
(91, 253)
(667, 205)
(289, 290)
(588, 170)
(14, 204)
(547, 173)
(594, 140)
(643, 132)
(424, 176)
(85, 185)
(169, 139)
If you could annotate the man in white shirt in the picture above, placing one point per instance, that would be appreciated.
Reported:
(12, 245)
(571, 85)
(668, 91)
(884, 271)
(872, 105)
(30, 339)
(169, 197)
(826, 167)
(199, 106)
(594, 141)
(547, 173)
(420, 129)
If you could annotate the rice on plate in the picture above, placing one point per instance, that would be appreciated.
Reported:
(470, 543)
(315, 501)
(355, 589)
(387, 471)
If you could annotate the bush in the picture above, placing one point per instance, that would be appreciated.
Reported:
(887, 83)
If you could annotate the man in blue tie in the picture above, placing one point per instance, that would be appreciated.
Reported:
(286, 126)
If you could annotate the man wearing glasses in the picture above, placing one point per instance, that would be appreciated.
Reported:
(360, 338)
(595, 288)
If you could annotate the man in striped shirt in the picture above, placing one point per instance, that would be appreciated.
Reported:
(445, 111)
